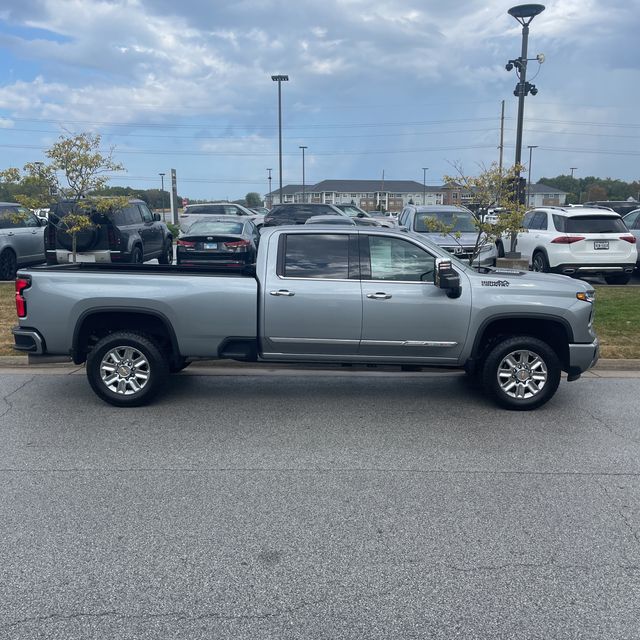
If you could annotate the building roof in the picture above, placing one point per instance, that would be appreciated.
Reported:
(544, 188)
(289, 190)
(359, 186)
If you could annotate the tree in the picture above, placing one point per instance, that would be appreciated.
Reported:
(84, 170)
(491, 189)
(253, 199)
(596, 192)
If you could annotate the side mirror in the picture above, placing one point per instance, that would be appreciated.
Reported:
(447, 278)
(42, 221)
(156, 217)
(361, 215)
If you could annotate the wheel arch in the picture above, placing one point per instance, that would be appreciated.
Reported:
(553, 330)
(94, 324)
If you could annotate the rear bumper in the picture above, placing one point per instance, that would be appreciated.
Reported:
(570, 269)
(582, 357)
(62, 256)
(28, 340)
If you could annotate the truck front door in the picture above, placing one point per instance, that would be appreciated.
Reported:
(312, 300)
(405, 317)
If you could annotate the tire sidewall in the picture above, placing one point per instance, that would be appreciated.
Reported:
(137, 252)
(542, 260)
(497, 354)
(158, 368)
(8, 254)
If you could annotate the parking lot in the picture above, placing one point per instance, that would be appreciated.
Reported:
(309, 504)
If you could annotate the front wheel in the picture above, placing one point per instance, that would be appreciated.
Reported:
(127, 369)
(521, 373)
(618, 278)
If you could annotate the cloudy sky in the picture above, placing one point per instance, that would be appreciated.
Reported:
(375, 85)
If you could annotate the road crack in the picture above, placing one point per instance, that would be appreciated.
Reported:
(6, 400)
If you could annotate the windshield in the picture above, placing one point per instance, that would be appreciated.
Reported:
(204, 228)
(353, 211)
(429, 222)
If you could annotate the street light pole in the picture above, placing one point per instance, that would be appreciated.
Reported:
(572, 169)
(424, 185)
(531, 147)
(304, 196)
(270, 196)
(162, 193)
(280, 79)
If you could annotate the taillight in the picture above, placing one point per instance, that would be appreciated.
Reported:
(629, 238)
(188, 244)
(567, 239)
(21, 303)
(239, 245)
(113, 236)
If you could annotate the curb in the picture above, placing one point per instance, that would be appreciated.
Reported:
(605, 364)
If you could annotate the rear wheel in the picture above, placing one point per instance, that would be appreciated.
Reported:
(136, 255)
(166, 257)
(539, 262)
(127, 369)
(521, 373)
(8, 265)
(618, 278)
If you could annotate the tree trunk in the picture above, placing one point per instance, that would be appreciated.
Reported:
(73, 246)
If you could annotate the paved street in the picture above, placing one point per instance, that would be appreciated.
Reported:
(318, 506)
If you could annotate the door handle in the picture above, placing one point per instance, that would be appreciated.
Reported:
(34, 231)
(10, 233)
(282, 292)
(379, 296)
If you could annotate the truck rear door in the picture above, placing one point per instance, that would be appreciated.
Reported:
(312, 302)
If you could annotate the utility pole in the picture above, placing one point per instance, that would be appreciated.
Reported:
(270, 196)
(572, 169)
(304, 195)
(501, 147)
(424, 185)
(162, 193)
(280, 79)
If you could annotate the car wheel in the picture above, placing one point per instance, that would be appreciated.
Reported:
(521, 373)
(166, 257)
(618, 278)
(127, 369)
(136, 256)
(8, 265)
(539, 262)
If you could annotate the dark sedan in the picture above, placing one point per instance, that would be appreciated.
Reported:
(219, 242)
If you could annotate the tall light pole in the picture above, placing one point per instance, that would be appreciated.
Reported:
(304, 196)
(280, 79)
(531, 147)
(572, 169)
(269, 192)
(524, 14)
(162, 193)
(424, 185)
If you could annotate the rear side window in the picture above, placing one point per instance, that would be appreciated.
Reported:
(323, 256)
(633, 220)
(9, 218)
(593, 224)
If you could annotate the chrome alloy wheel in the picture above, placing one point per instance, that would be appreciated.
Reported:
(522, 374)
(124, 370)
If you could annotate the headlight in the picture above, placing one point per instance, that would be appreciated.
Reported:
(486, 247)
(586, 296)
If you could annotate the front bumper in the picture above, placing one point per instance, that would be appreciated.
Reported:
(582, 357)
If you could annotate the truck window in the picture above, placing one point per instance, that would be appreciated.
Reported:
(396, 259)
(316, 256)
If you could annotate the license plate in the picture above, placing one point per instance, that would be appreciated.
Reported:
(601, 244)
(81, 258)
(210, 245)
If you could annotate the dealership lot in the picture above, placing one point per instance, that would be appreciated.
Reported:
(312, 504)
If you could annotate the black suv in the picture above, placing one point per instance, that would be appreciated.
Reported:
(130, 234)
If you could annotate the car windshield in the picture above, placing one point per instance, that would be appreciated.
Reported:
(431, 221)
(353, 211)
(203, 228)
(591, 224)
(214, 210)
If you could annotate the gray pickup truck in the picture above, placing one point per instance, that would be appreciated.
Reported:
(317, 295)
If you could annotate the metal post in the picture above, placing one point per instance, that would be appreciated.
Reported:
(270, 194)
(531, 147)
(424, 185)
(280, 79)
(572, 169)
(521, 92)
(501, 147)
(304, 196)
(162, 194)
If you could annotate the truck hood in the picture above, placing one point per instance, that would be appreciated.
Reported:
(528, 280)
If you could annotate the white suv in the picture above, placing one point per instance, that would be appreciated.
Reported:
(578, 241)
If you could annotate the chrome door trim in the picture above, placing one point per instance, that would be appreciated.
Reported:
(407, 343)
(312, 341)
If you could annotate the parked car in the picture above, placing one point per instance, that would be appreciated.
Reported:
(577, 242)
(299, 213)
(128, 234)
(356, 212)
(21, 239)
(194, 212)
(333, 220)
(261, 211)
(219, 241)
(632, 222)
(461, 241)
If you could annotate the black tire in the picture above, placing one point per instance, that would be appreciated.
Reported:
(618, 278)
(495, 367)
(113, 348)
(8, 265)
(539, 262)
(136, 255)
(166, 257)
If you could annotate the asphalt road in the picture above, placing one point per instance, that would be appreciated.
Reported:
(318, 506)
